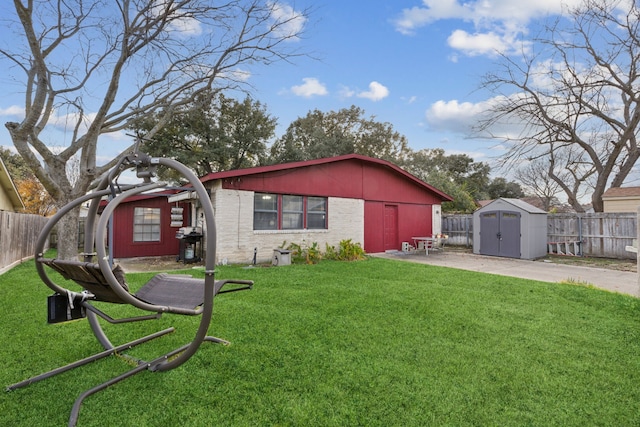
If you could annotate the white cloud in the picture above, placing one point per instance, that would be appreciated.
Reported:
(459, 117)
(463, 117)
(346, 92)
(477, 156)
(186, 26)
(478, 44)
(482, 13)
(286, 22)
(498, 25)
(67, 122)
(310, 87)
(376, 92)
(432, 10)
(238, 75)
(180, 22)
(14, 110)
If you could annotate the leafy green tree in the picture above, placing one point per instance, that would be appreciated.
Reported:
(16, 166)
(335, 133)
(500, 187)
(460, 168)
(35, 197)
(457, 175)
(462, 202)
(213, 134)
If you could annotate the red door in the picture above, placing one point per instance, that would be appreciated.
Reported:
(391, 227)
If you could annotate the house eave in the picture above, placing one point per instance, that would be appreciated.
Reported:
(7, 183)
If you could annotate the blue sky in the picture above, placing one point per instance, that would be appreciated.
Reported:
(364, 60)
(416, 64)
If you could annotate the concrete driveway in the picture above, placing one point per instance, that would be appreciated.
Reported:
(612, 280)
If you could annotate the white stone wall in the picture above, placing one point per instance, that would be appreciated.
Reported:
(237, 239)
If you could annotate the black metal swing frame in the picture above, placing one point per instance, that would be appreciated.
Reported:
(104, 282)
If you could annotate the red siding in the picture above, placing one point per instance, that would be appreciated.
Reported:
(125, 247)
(377, 184)
(373, 219)
(350, 179)
(412, 220)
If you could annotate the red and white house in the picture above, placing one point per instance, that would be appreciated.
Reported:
(142, 227)
(367, 200)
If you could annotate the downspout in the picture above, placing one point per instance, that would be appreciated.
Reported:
(238, 224)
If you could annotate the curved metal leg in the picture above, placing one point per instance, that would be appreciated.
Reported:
(98, 331)
(89, 359)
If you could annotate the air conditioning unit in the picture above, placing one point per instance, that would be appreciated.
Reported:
(281, 257)
(176, 217)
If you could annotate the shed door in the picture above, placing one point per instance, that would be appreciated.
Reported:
(390, 227)
(489, 231)
(500, 234)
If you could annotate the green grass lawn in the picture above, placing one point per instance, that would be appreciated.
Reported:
(372, 343)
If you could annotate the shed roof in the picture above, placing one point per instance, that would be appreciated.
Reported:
(10, 189)
(614, 192)
(518, 203)
(536, 201)
(309, 163)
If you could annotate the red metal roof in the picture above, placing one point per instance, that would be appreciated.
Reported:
(309, 163)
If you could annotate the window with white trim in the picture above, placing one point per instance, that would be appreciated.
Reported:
(146, 225)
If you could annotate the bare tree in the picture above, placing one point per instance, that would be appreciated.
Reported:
(105, 62)
(536, 179)
(576, 102)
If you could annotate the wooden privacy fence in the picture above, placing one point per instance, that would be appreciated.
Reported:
(596, 234)
(459, 228)
(601, 234)
(18, 235)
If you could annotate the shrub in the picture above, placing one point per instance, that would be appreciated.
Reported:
(348, 251)
(304, 254)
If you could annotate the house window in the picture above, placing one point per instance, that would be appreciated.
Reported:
(146, 225)
(288, 212)
(292, 212)
(316, 212)
(265, 211)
